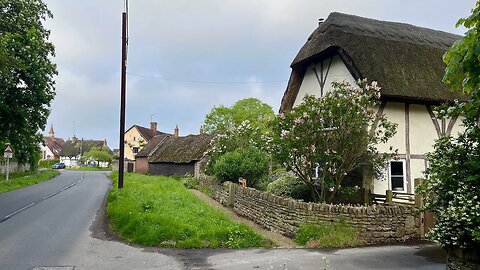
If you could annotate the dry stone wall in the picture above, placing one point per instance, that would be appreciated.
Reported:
(376, 224)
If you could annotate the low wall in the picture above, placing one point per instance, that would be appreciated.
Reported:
(376, 224)
(13, 167)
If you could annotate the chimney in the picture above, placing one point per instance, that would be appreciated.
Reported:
(201, 130)
(176, 131)
(153, 126)
(320, 21)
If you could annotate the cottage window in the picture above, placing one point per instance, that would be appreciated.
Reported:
(397, 175)
(135, 150)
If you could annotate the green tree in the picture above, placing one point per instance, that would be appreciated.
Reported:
(333, 134)
(98, 154)
(453, 187)
(222, 118)
(26, 76)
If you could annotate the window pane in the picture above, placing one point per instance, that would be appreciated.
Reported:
(397, 183)
(396, 168)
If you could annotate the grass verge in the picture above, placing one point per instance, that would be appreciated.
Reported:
(328, 235)
(21, 180)
(89, 168)
(160, 211)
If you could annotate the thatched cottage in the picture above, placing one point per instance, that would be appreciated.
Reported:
(405, 60)
(73, 150)
(174, 155)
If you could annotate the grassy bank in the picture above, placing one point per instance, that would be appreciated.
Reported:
(328, 235)
(160, 211)
(20, 180)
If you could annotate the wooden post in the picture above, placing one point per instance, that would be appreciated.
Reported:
(419, 204)
(389, 197)
(231, 195)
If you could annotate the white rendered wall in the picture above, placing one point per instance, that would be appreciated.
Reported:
(310, 85)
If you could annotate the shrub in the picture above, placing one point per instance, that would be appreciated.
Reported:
(288, 185)
(189, 182)
(249, 163)
(47, 163)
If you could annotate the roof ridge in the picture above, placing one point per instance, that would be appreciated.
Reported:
(387, 30)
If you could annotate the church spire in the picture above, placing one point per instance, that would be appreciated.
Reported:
(51, 132)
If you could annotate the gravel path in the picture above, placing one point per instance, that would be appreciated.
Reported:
(280, 240)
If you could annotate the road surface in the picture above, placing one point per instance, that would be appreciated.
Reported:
(52, 226)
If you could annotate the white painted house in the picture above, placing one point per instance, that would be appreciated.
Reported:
(51, 146)
(73, 150)
(405, 60)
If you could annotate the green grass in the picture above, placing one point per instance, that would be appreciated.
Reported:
(89, 168)
(160, 211)
(20, 180)
(330, 235)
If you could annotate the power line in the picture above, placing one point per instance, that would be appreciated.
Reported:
(202, 82)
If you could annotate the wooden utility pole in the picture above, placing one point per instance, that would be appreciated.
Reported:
(121, 160)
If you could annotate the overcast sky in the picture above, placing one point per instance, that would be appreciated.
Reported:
(185, 57)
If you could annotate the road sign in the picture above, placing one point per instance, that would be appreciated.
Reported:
(8, 153)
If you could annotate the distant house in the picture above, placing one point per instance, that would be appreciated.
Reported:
(174, 155)
(73, 150)
(405, 60)
(51, 147)
(136, 137)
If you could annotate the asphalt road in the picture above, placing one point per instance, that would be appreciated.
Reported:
(60, 231)
(55, 214)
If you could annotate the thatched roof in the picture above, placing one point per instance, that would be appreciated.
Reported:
(76, 147)
(404, 59)
(54, 144)
(151, 145)
(181, 149)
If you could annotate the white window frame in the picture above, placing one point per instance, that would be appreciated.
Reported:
(404, 171)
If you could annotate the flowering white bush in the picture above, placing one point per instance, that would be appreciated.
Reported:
(453, 191)
(241, 136)
(453, 187)
(335, 132)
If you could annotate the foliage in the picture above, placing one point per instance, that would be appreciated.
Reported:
(26, 76)
(332, 235)
(288, 185)
(160, 211)
(452, 190)
(189, 182)
(248, 163)
(221, 118)
(333, 133)
(98, 154)
(241, 136)
(47, 163)
(453, 185)
(26, 179)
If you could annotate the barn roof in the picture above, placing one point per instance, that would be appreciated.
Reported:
(404, 59)
(151, 145)
(181, 149)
